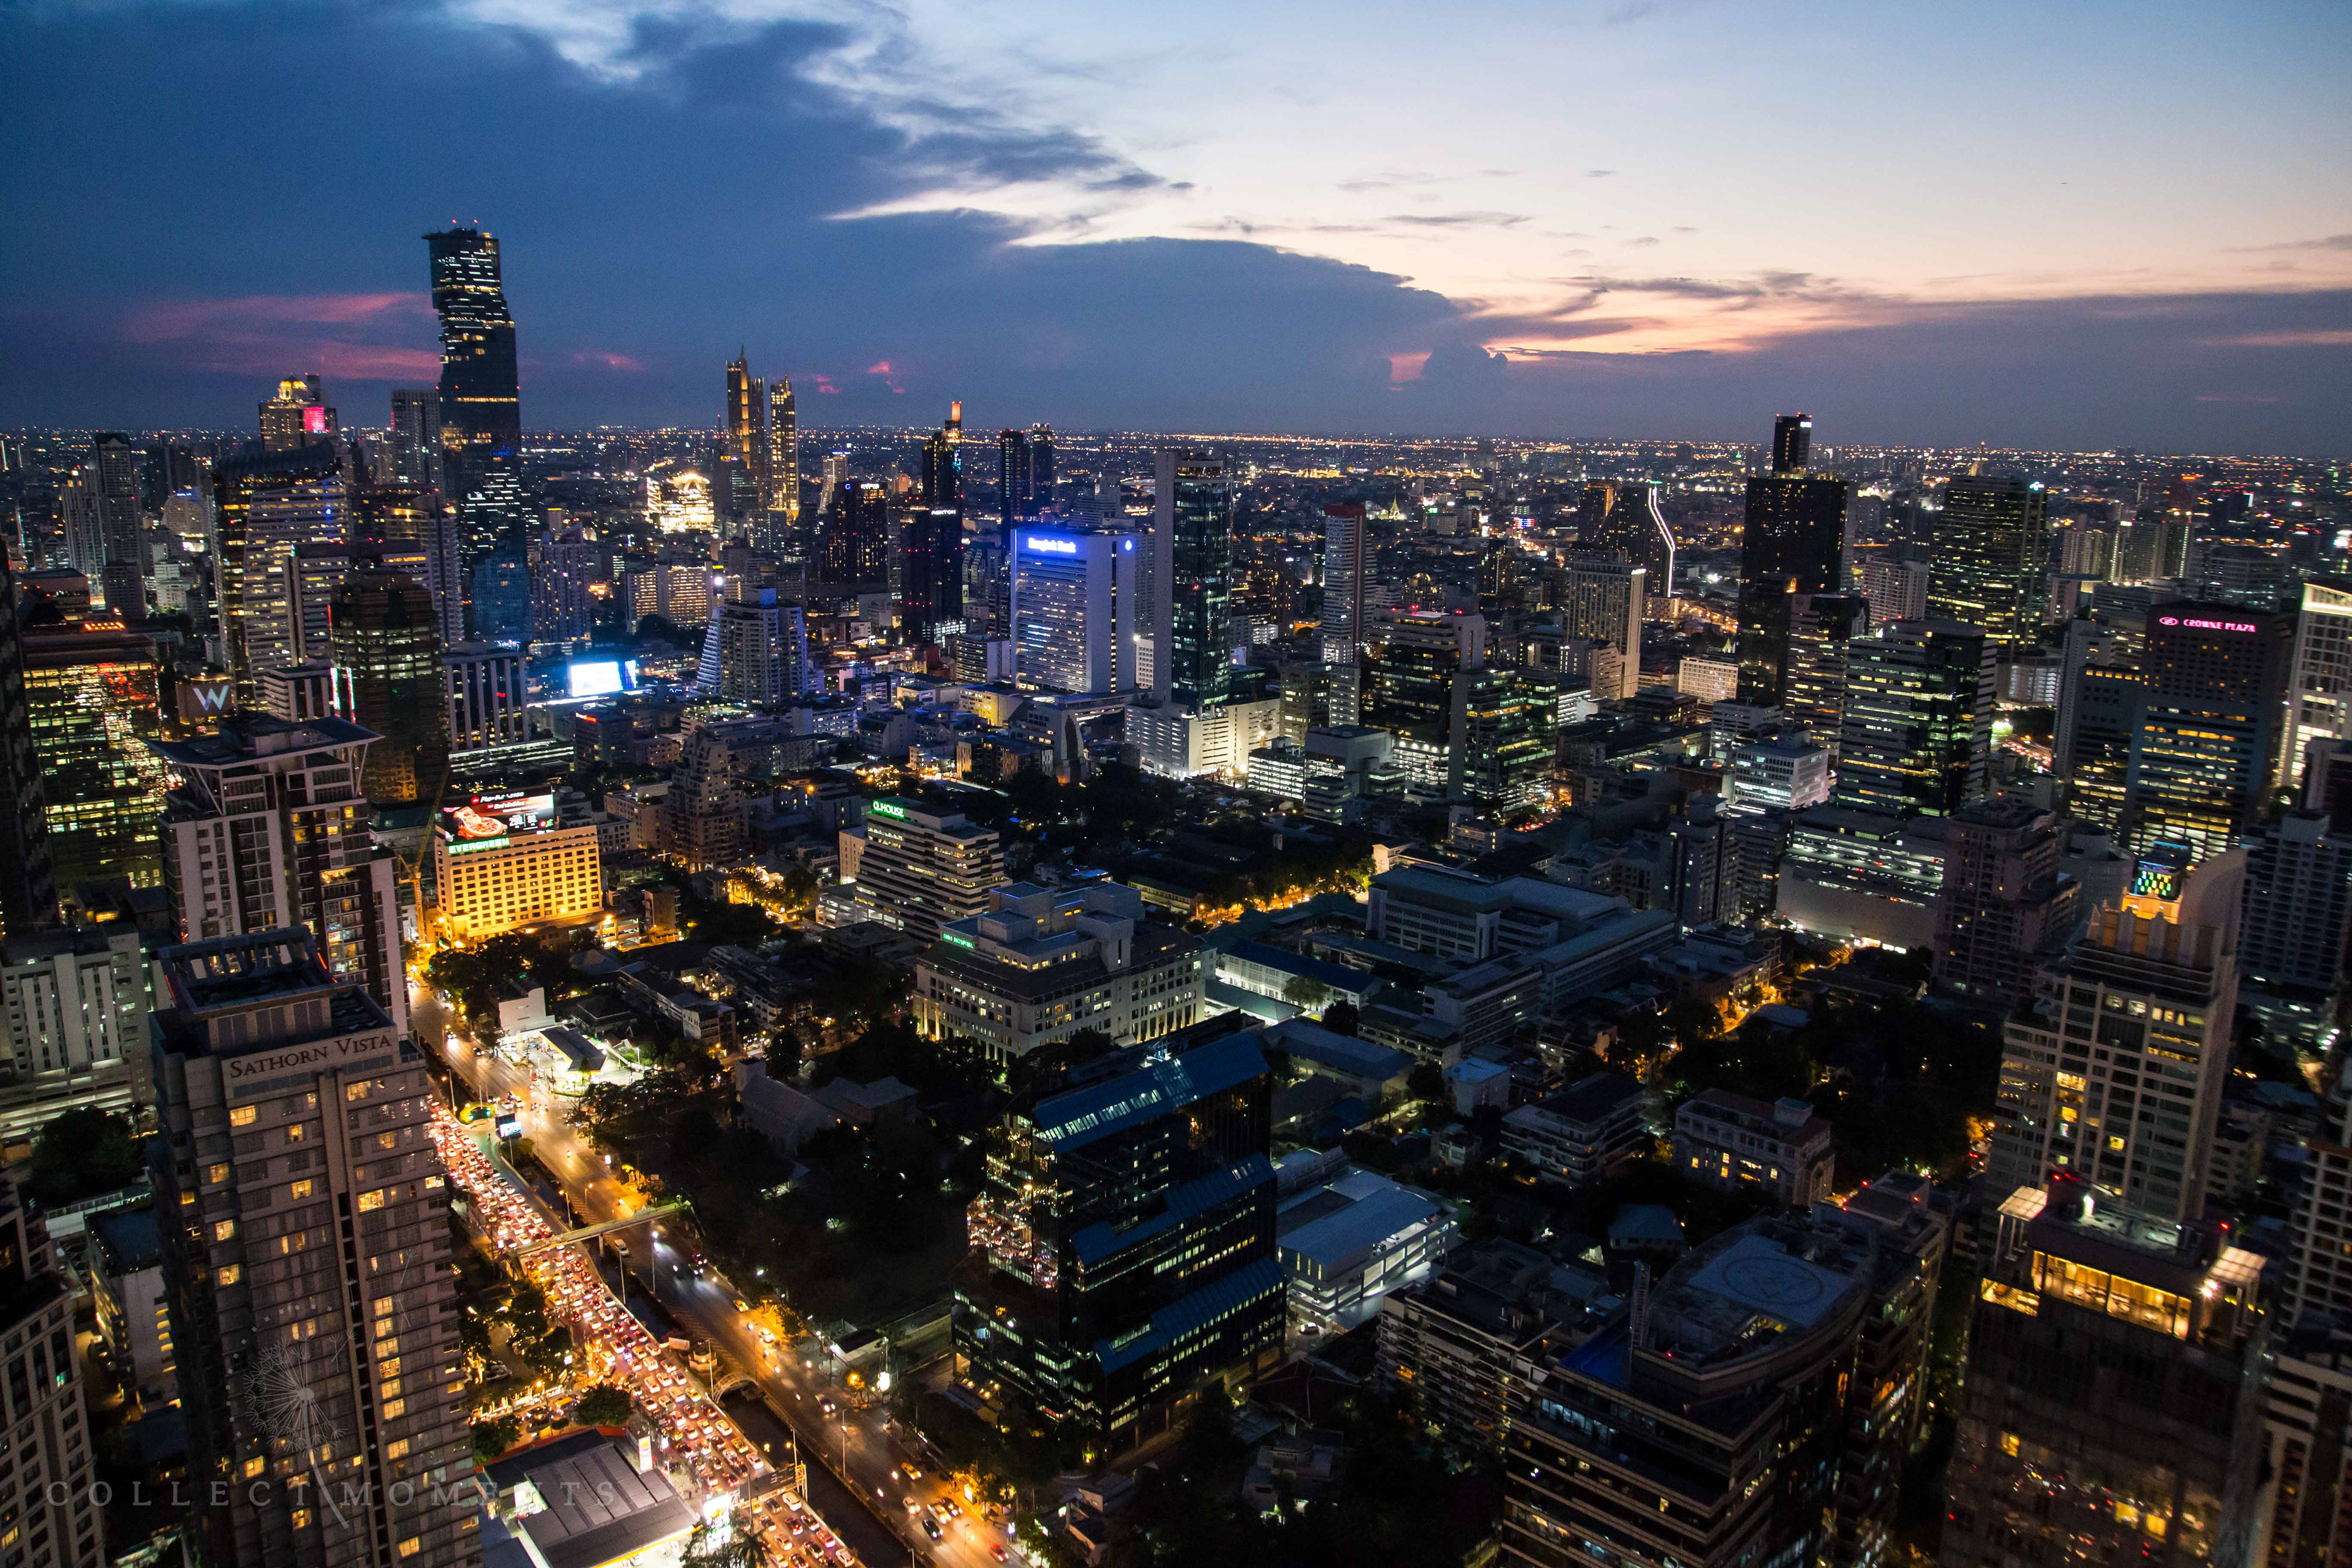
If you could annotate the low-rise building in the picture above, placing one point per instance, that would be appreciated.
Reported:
(1727, 1141)
(1581, 1135)
(1348, 1242)
(126, 1258)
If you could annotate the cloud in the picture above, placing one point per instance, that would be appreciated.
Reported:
(334, 334)
(1599, 174)
(1460, 220)
(2302, 338)
(2328, 242)
(601, 359)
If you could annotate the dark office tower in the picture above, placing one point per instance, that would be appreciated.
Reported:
(2210, 720)
(2295, 933)
(783, 497)
(1821, 625)
(1041, 464)
(417, 438)
(28, 893)
(114, 474)
(1016, 479)
(1793, 541)
(930, 574)
(385, 647)
(306, 1260)
(746, 437)
(1122, 1245)
(46, 1493)
(498, 598)
(2111, 1411)
(1917, 732)
(297, 417)
(1622, 518)
(2003, 905)
(481, 390)
(942, 475)
(1793, 443)
(1192, 546)
(853, 547)
(1991, 558)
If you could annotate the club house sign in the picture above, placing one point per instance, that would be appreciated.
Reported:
(264, 1071)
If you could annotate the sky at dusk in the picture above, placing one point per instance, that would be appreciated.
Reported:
(2073, 226)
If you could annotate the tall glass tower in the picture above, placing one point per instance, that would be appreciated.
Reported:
(1193, 537)
(1793, 541)
(481, 391)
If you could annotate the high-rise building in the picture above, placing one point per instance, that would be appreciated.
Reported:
(1504, 723)
(2319, 686)
(1918, 731)
(1074, 608)
(563, 587)
(783, 497)
(415, 438)
(258, 585)
(1821, 625)
(321, 1270)
(1413, 690)
(268, 827)
(297, 417)
(2004, 906)
(299, 693)
(746, 433)
(1622, 518)
(489, 699)
(2206, 749)
(507, 861)
(1016, 480)
(941, 480)
(92, 699)
(1793, 541)
(1346, 564)
(931, 573)
(498, 598)
(1193, 550)
(74, 1006)
(2059, 1452)
(50, 1494)
(854, 545)
(386, 652)
(1602, 601)
(28, 889)
(416, 531)
(2116, 1076)
(481, 390)
(1897, 590)
(923, 868)
(313, 572)
(1991, 558)
(756, 649)
(2295, 939)
(1123, 1246)
(1041, 466)
(113, 475)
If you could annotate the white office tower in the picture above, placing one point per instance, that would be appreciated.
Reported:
(755, 650)
(1603, 601)
(2116, 1075)
(1073, 610)
(300, 693)
(1347, 560)
(487, 705)
(2319, 688)
(267, 828)
(1783, 773)
(261, 611)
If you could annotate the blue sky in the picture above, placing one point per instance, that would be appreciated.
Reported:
(2083, 225)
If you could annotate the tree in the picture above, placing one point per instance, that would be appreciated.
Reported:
(1307, 993)
(741, 1549)
(1427, 1082)
(85, 1152)
(785, 1054)
(1340, 1018)
(496, 1436)
(604, 1406)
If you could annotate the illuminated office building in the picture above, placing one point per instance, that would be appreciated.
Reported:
(1016, 480)
(1602, 601)
(931, 573)
(942, 464)
(504, 862)
(29, 892)
(260, 595)
(92, 701)
(922, 869)
(1820, 627)
(1346, 562)
(1793, 541)
(481, 390)
(1991, 558)
(305, 1247)
(1074, 609)
(415, 438)
(385, 650)
(854, 539)
(297, 417)
(2206, 752)
(114, 477)
(1191, 570)
(747, 437)
(1622, 518)
(268, 827)
(2319, 684)
(784, 497)
(1916, 735)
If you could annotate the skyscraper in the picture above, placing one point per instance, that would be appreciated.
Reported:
(1991, 558)
(268, 827)
(297, 417)
(2206, 750)
(121, 525)
(46, 1494)
(1916, 735)
(931, 573)
(854, 545)
(1073, 606)
(1820, 627)
(1041, 466)
(1417, 688)
(92, 700)
(562, 598)
(2296, 939)
(756, 648)
(261, 617)
(482, 389)
(2319, 686)
(415, 438)
(942, 465)
(747, 434)
(385, 646)
(1016, 480)
(323, 1269)
(783, 497)
(28, 890)
(2003, 905)
(1193, 550)
(1622, 517)
(1603, 600)
(1346, 561)
(1793, 541)
(2116, 1075)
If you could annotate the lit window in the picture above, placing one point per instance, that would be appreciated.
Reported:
(243, 1115)
(370, 1202)
(255, 1465)
(394, 1408)
(229, 1275)
(412, 1546)
(216, 1174)
(300, 1189)
(356, 1091)
(224, 1229)
(396, 1449)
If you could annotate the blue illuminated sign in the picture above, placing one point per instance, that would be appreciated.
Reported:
(1047, 544)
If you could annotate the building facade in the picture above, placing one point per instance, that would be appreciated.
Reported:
(93, 703)
(504, 862)
(1728, 1142)
(1991, 558)
(1916, 735)
(923, 868)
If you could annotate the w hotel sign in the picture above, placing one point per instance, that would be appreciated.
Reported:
(205, 699)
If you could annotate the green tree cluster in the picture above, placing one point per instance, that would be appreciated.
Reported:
(84, 1154)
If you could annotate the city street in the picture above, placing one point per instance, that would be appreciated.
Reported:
(795, 1380)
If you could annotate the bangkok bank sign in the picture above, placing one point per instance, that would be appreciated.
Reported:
(2196, 624)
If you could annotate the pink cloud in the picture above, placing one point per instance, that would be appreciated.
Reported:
(1406, 367)
(602, 359)
(880, 367)
(278, 335)
(824, 384)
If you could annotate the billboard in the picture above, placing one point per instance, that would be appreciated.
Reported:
(600, 676)
(489, 818)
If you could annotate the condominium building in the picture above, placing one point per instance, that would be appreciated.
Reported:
(1451, 1347)
(1729, 1141)
(75, 1007)
(2319, 683)
(504, 862)
(2003, 905)
(1584, 1134)
(48, 1497)
(268, 827)
(2296, 939)
(1043, 963)
(489, 703)
(923, 868)
(307, 1255)
(92, 702)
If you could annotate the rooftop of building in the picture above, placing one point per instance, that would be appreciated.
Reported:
(1590, 1100)
(1794, 1120)
(1756, 1288)
(246, 737)
(600, 1509)
(1335, 1225)
(130, 1239)
(1347, 1053)
(237, 974)
(1162, 1082)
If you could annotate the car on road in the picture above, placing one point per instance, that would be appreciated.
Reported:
(912, 1506)
(996, 1550)
(931, 1527)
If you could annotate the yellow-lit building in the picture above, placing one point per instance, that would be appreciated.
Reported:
(503, 861)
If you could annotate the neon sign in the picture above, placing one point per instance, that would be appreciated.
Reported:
(1047, 544)
(890, 809)
(2196, 624)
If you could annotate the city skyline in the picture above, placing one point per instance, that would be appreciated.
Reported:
(1941, 250)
